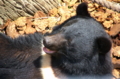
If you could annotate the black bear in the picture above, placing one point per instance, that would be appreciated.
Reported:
(19, 57)
(78, 48)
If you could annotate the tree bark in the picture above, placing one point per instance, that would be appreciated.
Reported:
(12, 9)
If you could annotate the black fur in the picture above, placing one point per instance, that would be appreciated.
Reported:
(19, 57)
(85, 49)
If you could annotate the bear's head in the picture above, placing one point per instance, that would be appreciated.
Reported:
(81, 42)
(78, 37)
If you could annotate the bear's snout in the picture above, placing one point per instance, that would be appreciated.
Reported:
(54, 42)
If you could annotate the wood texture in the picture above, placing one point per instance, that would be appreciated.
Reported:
(12, 9)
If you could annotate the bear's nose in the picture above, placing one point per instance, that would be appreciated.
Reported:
(54, 41)
(47, 41)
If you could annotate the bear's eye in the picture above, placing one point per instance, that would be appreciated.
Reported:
(68, 40)
(62, 30)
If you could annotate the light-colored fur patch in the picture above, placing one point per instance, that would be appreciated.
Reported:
(46, 69)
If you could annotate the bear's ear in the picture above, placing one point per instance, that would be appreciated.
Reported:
(104, 44)
(82, 10)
